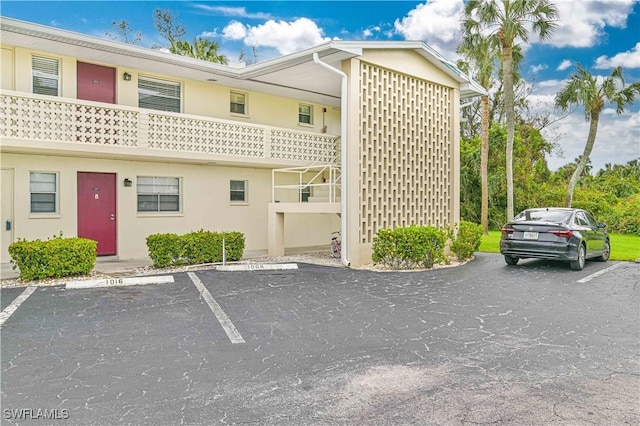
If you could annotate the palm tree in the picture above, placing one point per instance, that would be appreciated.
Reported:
(481, 52)
(583, 89)
(504, 21)
(201, 48)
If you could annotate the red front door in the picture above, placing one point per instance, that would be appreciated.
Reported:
(97, 210)
(96, 83)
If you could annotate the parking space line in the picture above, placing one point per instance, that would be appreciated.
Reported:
(597, 274)
(224, 320)
(13, 306)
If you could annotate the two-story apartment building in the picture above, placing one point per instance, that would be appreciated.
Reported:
(115, 142)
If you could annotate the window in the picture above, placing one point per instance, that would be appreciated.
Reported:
(158, 194)
(44, 192)
(238, 191)
(158, 94)
(305, 193)
(305, 114)
(238, 103)
(45, 75)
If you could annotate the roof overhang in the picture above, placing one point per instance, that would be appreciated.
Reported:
(294, 75)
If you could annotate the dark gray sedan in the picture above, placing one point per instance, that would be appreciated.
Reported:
(569, 235)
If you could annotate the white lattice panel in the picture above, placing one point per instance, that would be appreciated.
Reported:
(406, 152)
(308, 147)
(60, 121)
(206, 136)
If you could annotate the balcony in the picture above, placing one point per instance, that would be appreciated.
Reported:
(35, 123)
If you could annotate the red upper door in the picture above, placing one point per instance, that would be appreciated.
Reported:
(97, 210)
(96, 83)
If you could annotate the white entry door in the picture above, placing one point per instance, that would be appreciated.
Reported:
(6, 214)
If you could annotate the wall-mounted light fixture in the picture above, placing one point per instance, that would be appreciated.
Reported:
(127, 182)
(126, 76)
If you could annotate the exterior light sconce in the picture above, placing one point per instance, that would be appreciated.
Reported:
(127, 182)
(126, 76)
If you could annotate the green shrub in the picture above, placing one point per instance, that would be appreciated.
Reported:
(55, 258)
(409, 247)
(468, 239)
(194, 248)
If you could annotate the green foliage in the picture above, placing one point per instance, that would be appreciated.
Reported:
(410, 247)
(194, 248)
(467, 240)
(612, 196)
(55, 258)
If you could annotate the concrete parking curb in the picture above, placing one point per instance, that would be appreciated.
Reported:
(119, 282)
(257, 267)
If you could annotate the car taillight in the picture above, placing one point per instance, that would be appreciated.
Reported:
(506, 230)
(563, 234)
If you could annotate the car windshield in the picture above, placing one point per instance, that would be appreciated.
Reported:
(555, 216)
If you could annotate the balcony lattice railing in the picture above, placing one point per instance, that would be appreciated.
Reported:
(45, 119)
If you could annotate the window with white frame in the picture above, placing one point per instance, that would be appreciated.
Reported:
(238, 103)
(305, 114)
(158, 94)
(43, 187)
(238, 191)
(45, 75)
(158, 194)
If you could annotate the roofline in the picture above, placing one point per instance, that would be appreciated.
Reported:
(348, 49)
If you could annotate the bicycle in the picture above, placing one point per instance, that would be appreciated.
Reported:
(336, 245)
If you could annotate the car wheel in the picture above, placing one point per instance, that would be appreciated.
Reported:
(605, 253)
(511, 260)
(578, 264)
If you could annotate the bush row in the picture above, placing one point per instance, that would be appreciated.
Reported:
(55, 258)
(423, 246)
(194, 247)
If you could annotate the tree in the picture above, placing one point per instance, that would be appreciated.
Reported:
(504, 22)
(121, 31)
(201, 48)
(582, 89)
(166, 24)
(480, 50)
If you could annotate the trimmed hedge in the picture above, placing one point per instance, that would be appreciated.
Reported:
(410, 247)
(55, 258)
(467, 240)
(194, 248)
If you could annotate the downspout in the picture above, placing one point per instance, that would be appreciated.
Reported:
(343, 153)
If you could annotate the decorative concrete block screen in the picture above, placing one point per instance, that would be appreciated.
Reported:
(406, 151)
(27, 117)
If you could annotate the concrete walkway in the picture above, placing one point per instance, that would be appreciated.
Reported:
(115, 267)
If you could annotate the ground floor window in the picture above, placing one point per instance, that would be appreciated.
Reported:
(158, 194)
(238, 191)
(43, 187)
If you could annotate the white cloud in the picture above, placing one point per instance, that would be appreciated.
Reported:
(209, 34)
(536, 68)
(564, 65)
(582, 23)
(628, 59)
(286, 37)
(371, 31)
(436, 22)
(238, 12)
(235, 31)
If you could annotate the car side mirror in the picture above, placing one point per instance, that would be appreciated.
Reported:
(602, 225)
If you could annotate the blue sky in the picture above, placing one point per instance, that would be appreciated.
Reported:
(597, 34)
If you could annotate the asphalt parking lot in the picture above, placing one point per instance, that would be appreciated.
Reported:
(475, 344)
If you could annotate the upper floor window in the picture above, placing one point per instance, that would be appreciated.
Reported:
(43, 187)
(305, 114)
(158, 94)
(45, 75)
(158, 194)
(238, 103)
